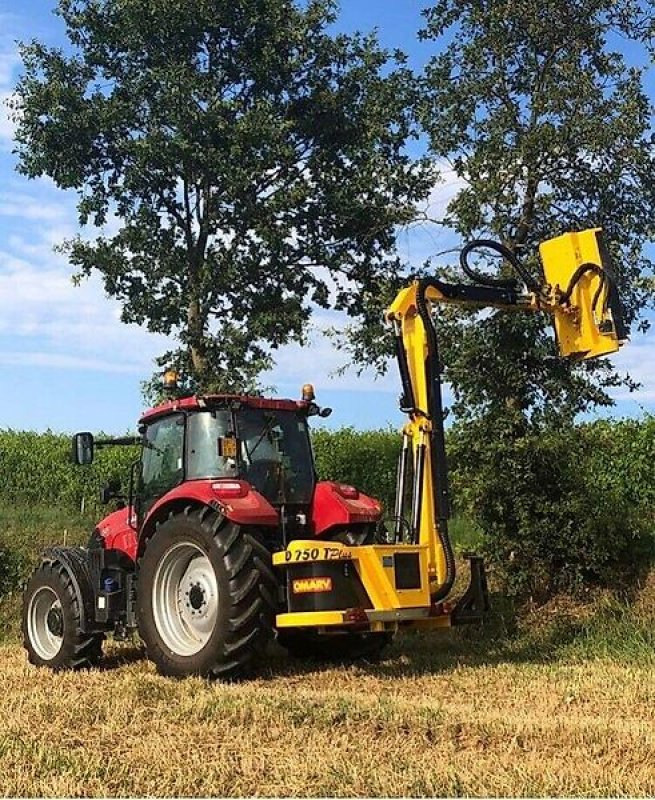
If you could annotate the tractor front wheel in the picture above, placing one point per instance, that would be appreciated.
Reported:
(206, 596)
(52, 621)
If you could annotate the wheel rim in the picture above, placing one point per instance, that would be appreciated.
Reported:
(45, 623)
(185, 599)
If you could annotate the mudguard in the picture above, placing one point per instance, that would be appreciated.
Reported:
(337, 505)
(249, 509)
(75, 561)
(117, 531)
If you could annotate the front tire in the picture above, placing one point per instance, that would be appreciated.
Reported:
(52, 622)
(206, 596)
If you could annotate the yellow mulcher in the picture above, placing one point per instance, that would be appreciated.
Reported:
(407, 582)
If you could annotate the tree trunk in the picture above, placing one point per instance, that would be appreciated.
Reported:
(197, 345)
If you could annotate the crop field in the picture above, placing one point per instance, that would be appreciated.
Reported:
(558, 700)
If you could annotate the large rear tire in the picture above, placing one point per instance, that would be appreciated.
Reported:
(52, 622)
(207, 596)
(341, 647)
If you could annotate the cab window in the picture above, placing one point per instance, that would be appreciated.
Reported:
(162, 461)
(207, 453)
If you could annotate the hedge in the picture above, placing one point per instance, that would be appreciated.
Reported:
(556, 511)
(36, 469)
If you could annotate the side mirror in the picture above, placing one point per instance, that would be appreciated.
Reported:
(110, 491)
(316, 411)
(82, 448)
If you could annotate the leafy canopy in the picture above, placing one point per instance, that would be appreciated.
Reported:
(247, 165)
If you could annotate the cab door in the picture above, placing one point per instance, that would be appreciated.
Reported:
(162, 461)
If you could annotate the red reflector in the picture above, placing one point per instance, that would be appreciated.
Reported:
(355, 615)
(349, 492)
(227, 489)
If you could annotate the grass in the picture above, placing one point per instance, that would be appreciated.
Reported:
(558, 700)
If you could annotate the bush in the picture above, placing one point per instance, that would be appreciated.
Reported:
(562, 509)
(551, 511)
(36, 469)
(365, 459)
(13, 569)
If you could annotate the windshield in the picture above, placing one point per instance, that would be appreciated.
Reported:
(276, 454)
(206, 456)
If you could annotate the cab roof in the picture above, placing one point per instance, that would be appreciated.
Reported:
(196, 402)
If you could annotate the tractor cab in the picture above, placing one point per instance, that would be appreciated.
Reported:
(264, 443)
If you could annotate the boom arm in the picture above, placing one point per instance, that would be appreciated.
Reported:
(579, 292)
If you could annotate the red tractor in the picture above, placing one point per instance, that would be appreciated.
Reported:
(223, 482)
(226, 536)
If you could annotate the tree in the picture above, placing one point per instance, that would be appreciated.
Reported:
(548, 127)
(254, 163)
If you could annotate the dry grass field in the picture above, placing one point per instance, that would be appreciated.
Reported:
(546, 713)
(560, 701)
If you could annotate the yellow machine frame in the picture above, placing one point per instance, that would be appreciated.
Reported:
(580, 293)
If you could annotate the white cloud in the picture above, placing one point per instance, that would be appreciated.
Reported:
(46, 320)
(443, 192)
(26, 206)
(9, 61)
(63, 361)
(319, 362)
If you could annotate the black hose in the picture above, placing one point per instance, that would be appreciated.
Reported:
(507, 254)
(437, 438)
(583, 269)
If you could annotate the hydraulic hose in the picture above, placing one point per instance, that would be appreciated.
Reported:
(507, 254)
(437, 438)
(583, 269)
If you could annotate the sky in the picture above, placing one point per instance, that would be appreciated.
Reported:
(68, 363)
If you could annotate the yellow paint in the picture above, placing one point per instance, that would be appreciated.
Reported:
(576, 325)
(374, 565)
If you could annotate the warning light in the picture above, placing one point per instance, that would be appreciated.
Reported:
(308, 393)
(170, 380)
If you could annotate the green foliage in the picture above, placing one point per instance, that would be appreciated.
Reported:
(37, 470)
(25, 530)
(560, 509)
(365, 459)
(239, 146)
(13, 569)
(551, 511)
(617, 631)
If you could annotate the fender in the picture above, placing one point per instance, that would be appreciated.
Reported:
(336, 504)
(117, 531)
(75, 561)
(246, 507)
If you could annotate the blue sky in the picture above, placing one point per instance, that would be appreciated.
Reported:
(68, 362)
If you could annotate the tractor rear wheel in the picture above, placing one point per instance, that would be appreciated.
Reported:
(206, 596)
(339, 647)
(52, 620)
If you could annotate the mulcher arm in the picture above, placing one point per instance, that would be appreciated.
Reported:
(579, 292)
(333, 586)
